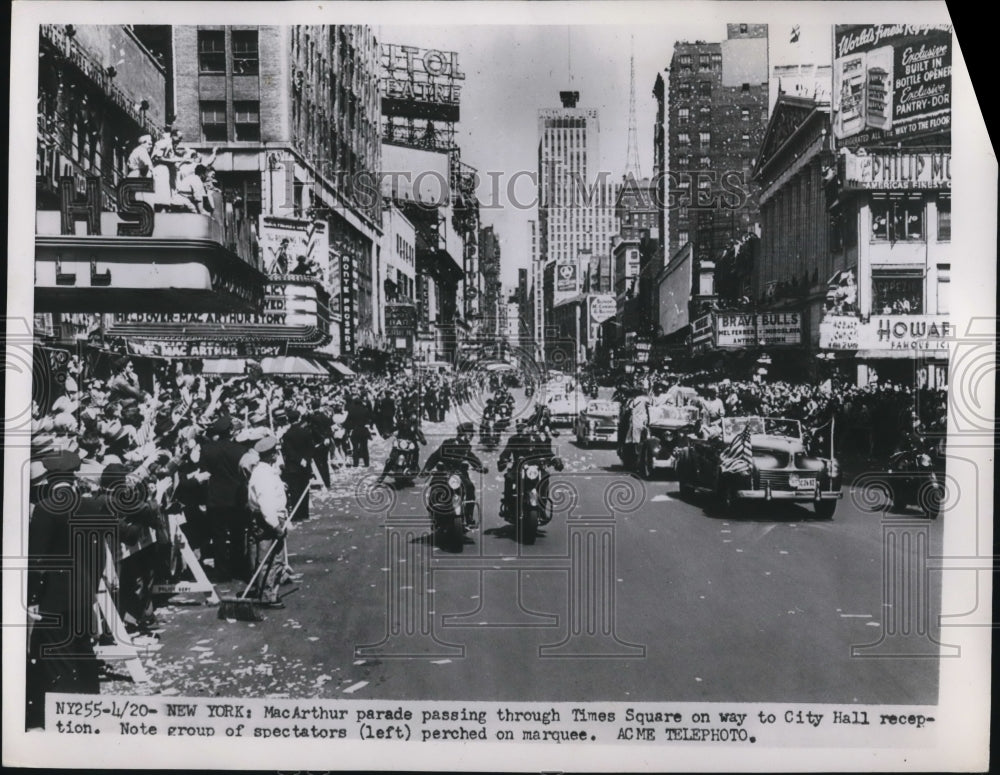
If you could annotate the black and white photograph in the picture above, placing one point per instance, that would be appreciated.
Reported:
(515, 386)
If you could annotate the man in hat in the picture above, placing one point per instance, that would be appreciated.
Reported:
(124, 382)
(269, 507)
(225, 500)
(322, 430)
(65, 563)
(298, 450)
(455, 452)
(519, 446)
(358, 425)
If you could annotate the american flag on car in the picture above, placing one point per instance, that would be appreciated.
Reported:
(735, 459)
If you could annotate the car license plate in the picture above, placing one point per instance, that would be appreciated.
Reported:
(806, 484)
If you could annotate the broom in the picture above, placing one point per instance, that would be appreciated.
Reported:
(242, 608)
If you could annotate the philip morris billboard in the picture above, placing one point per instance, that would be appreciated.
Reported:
(890, 82)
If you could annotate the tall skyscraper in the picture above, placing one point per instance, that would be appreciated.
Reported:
(716, 113)
(576, 207)
(576, 202)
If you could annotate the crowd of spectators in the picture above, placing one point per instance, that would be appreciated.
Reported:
(119, 457)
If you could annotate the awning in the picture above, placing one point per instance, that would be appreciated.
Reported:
(340, 368)
(292, 364)
(224, 366)
(910, 355)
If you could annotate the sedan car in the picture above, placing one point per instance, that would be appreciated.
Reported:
(668, 431)
(769, 464)
(598, 422)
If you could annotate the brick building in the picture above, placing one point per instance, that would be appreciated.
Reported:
(295, 113)
(713, 116)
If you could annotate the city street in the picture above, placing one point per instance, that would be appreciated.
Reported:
(682, 606)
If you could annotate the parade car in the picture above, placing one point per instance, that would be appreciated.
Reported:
(768, 463)
(668, 431)
(597, 422)
(563, 408)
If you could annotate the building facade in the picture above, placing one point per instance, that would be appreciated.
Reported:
(715, 113)
(576, 207)
(295, 113)
(793, 263)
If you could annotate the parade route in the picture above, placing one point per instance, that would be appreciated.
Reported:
(755, 607)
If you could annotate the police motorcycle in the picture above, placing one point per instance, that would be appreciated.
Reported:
(450, 503)
(526, 505)
(489, 433)
(403, 458)
(505, 410)
(915, 477)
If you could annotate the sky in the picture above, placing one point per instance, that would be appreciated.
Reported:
(513, 71)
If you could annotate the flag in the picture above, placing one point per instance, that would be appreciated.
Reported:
(735, 459)
(795, 34)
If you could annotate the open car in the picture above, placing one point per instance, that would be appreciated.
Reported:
(598, 422)
(668, 430)
(775, 467)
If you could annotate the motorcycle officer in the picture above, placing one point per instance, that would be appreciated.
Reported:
(458, 450)
(525, 444)
(409, 430)
(489, 416)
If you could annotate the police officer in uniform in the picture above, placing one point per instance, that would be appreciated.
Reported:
(455, 451)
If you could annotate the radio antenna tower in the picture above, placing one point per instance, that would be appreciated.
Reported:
(632, 167)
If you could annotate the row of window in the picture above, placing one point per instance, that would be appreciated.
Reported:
(705, 113)
(246, 120)
(685, 89)
(712, 61)
(704, 138)
(405, 250)
(900, 218)
(212, 52)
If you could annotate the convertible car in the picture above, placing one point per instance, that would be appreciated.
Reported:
(597, 422)
(769, 463)
(668, 431)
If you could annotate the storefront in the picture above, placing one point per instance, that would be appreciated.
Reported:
(911, 350)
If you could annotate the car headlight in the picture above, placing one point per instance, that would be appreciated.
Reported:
(592, 424)
(531, 472)
(924, 460)
(668, 436)
(455, 482)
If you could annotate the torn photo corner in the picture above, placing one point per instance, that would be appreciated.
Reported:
(582, 386)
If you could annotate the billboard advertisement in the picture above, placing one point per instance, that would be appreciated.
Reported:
(891, 82)
(420, 83)
(567, 281)
(294, 246)
(891, 171)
